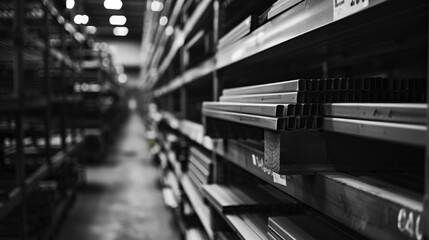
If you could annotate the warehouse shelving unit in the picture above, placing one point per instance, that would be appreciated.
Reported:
(41, 148)
(101, 106)
(352, 160)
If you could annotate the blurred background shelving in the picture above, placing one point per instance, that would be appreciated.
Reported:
(47, 90)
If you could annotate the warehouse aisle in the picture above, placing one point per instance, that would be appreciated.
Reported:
(122, 200)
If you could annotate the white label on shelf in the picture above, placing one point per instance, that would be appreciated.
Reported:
(254, 159)
(280, 179)
(344, 8)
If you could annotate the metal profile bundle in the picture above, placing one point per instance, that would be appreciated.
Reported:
(199, 168)
(241, 30)
(344, 197)
(195, 234)
(270, 110)
(196, 200)
(331, 91)
(281, 6)
(283, 106)
(305, 227)
(249, 225)
(222, 235)
(230, 199)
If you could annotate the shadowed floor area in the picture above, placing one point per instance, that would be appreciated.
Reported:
(122, 200)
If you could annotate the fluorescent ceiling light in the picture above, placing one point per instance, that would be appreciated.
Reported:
(163, 21)
(113, 4)
(81, 19)
(70, 4)
(156, 6)
(117, 20)
(120, 31)
(85, 19)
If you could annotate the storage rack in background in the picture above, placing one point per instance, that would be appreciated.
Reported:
(102, 108)
(356, 176)
(42, 147)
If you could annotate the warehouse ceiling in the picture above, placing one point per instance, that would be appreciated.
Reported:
(99, 16)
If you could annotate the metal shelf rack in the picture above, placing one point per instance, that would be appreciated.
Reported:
(248, 138)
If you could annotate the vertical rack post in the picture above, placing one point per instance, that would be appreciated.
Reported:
(219, 165)
(425, 225)
(183, 92)
(216, 84)
(19, 91)
(46, 62)
(72, 113)
(63, 110)
(80, 76)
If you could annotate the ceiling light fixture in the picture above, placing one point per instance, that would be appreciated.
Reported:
(120, 31)
(113, 4)
(70, 4)
(81, 19)
(156, 6)
(117, 20)
(163, 21)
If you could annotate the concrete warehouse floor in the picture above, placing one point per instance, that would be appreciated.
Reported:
(122, 200)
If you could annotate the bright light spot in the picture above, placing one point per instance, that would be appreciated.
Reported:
(81, 19)
(122, 78)
(163, 21)
(84, 87)
(78, 19)
(70, 4)
(113, 4)
(120, 31)
(76, 87)
(169, 30)
(156, 6)
(91, 29)
(117, 20)
(85, 19)
(94, 88)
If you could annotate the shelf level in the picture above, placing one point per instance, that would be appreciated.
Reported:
(350, 200)
(299, 20)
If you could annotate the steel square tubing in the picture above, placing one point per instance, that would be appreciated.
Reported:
(252, 120)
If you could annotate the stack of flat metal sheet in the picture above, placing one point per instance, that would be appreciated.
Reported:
(241, 30)
(281, 6)
(331, 90)
(304, 227)
(230, 199)
(276, 117)
(226, 236)
(249, 225)
(195, 234)
(399, 122)
(199, 168)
